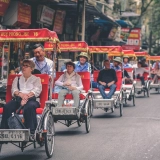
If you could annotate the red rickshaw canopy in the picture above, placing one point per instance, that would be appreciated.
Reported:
(129, 53)
(68, 46)
(153, 58)
(110, 50)
(141, 54)
(28, 35)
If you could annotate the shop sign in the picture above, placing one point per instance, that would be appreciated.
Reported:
(133, 38)
(59, 21)
(3, 6)
(24, 14)
(18, 15)
(47, 15)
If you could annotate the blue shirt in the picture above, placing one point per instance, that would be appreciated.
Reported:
(85, 68)
(155, 64)
(45, 67)
(127, 65)
(117, 68)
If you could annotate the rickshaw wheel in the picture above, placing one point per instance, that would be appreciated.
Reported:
(49, 136)
(87, 116)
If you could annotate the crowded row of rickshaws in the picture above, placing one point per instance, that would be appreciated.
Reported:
(57, 106)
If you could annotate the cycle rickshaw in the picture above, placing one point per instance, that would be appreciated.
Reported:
(129, 89)
(96, 99)
(68, 114)
(138, 86)
(155, 86)
(44, 134)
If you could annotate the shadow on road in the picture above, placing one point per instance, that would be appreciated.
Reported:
(107, 115)
(69, 133)
(21, 157)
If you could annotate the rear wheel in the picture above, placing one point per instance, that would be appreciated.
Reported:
(49, 135)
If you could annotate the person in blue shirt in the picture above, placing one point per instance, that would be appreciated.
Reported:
(82, 65)
(116, 64)
(126, 62)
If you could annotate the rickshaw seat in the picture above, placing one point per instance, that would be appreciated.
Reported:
(85, 76)
(43, 96)
(118, 83)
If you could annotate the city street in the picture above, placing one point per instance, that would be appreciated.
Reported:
(135, 136)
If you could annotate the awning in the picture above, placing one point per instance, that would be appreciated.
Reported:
(123, 23)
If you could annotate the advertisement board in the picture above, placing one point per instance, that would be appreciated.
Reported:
(3, 6)
(47, 15)
(133, 38)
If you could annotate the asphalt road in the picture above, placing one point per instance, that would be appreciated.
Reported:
(135, 136)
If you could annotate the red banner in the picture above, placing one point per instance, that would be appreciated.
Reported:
(68, 46)
(3, 6)
(112, 50)
(132, 38)
(28, 35)
(141, 54)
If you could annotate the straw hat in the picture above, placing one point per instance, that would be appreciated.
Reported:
(84, 54)
(118, 59)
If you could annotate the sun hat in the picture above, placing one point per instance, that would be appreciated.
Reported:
(84, 54)
(118, 59)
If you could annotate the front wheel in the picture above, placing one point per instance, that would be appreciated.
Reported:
(87, 116)
(49, 135)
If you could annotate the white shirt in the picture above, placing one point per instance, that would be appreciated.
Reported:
(33, 84)
(75, 80)
(140, 71)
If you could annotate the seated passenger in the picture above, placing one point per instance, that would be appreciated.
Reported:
(70, 82)
(106, 79)
(138, 73)
(27, 88)
(155, 74)
(143, 62)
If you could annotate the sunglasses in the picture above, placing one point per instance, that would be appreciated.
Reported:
(25, 66)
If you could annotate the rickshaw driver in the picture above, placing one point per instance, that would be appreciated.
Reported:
(70, 82)
(116, 64)
(43, 64)
(107, 79)
(126, 62)
(82, 65)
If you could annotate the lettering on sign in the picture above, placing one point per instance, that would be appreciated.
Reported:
(35, 34)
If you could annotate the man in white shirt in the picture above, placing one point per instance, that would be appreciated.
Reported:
(70, 82)
(43, 64)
